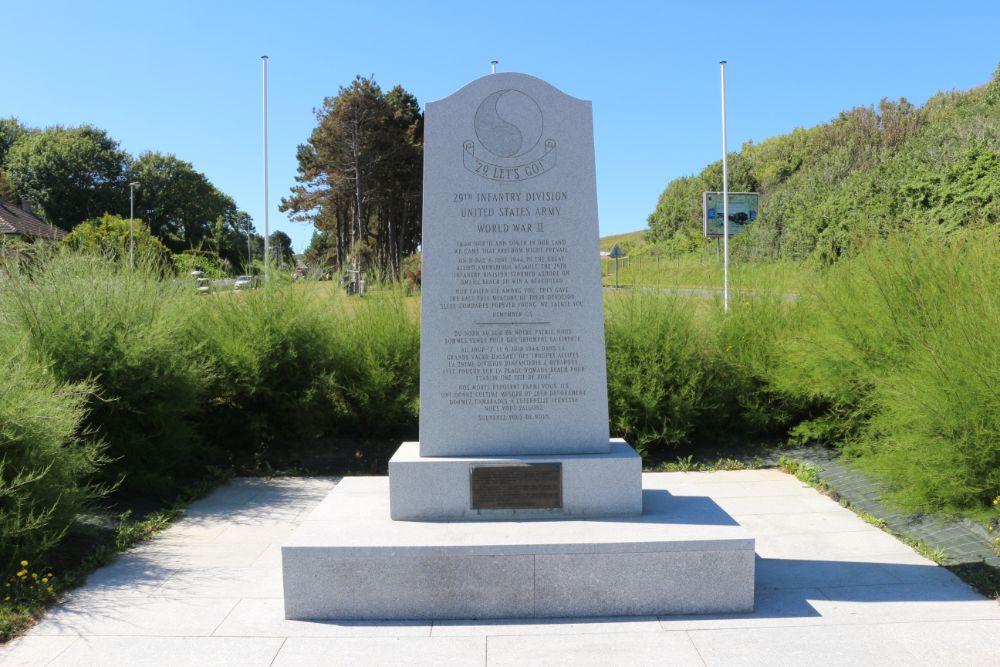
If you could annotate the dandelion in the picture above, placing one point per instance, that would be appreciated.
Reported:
(49, 589)
(45, 580)
(24, 563)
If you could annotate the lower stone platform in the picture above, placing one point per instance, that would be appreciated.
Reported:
(350, 561)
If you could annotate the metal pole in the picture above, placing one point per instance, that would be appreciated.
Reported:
(267, 241)
(725, 198)
(131, 223)
(249, 252)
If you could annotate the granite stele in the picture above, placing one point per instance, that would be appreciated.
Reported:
(515, 502)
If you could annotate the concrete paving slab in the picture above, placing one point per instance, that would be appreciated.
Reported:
(724, 476)
(773, 607)
(804, 523)
(167, 617)
(805, 573)
(270, 557)
(33, 650)
(169, 651)
(740, 506)
(750, 489)
(385, 652)
(547, 626)
(905, 603)
(266, 618)
(190, 556)
(970, 644)
(834, 645)
(665, 648)
(818, 546)
(223, 582)
(130, 575)
(268, 532)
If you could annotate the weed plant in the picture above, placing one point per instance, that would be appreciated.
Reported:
(904, 346)
(661, 379)
(45, 466)
(268, 350)
(377, 350)
(92, 319)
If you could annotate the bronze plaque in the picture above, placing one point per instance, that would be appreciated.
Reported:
(516, 486)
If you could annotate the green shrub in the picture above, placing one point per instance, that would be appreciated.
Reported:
(660, 378)
(378, 365)
(270, 350)
(295, 361)
(45, 466)
(902, 347)
(751, 345)
(126, 332)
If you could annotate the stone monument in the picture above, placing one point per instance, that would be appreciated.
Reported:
(515, 502)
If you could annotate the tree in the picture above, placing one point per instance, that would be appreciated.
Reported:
(281, 248)
(110, 235)
(10, 131)
(360, 173)
(70, 174)
(322, 250)
(181, 205)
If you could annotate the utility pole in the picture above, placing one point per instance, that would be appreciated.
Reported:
(725, 198)
(267, 241)
(131, 223)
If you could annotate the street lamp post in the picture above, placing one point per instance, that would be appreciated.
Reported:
(131, 222)
(267, 241)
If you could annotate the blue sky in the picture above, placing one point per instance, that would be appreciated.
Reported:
(185, 77)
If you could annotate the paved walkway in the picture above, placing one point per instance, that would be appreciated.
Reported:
(830, 590)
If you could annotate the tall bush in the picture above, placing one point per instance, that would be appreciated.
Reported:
(45, 464)
(903, 347)
(126, 332)
(660, 378)
(378, 365)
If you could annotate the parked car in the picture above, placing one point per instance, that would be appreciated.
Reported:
(243, 282)
(203, 285)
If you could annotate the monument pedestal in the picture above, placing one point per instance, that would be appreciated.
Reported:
(350, 561)
(441, 488)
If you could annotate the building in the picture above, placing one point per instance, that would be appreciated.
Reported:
(19, 223)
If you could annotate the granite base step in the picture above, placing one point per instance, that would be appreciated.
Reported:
(350, 561)
(424, 488)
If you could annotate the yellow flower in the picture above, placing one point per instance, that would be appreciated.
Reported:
(24, 563)
(45, 580)
(49, 589)
(34, 575)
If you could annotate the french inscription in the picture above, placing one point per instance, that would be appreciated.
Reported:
(521, 486)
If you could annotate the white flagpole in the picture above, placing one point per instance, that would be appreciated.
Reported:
(267, 240)
(725, 198)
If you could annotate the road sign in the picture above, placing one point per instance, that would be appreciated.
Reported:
(616, 252)
(743, 208)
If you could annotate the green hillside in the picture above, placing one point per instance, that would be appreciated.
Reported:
(628, 239)
(866, 173)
